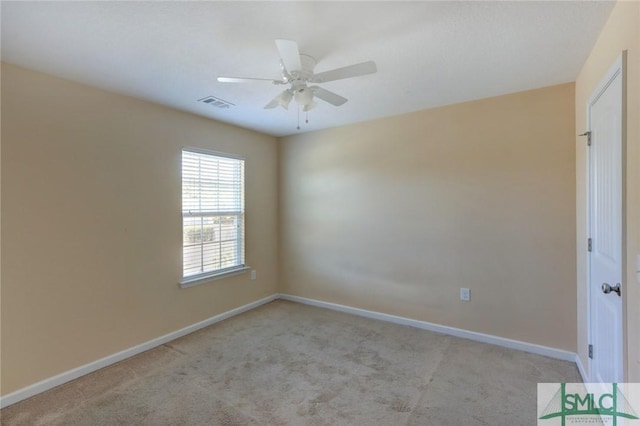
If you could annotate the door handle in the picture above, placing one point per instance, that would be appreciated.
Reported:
(607, 288)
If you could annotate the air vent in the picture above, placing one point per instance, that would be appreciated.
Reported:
(216, 102)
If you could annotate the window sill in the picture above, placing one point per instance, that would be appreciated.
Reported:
(204, 278)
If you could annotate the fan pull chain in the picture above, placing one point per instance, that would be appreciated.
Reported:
(306, 116)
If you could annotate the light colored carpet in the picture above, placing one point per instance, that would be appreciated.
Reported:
(291, 364)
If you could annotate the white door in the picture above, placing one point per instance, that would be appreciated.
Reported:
(605, 118)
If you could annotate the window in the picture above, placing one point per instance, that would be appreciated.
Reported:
(212, 215)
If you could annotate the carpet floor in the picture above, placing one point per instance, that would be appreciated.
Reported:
(291, 364)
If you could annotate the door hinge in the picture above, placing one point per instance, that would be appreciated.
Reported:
(591, 351)
(588, 135)
(589, 244)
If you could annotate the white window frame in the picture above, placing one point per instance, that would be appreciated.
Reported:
(213, 274)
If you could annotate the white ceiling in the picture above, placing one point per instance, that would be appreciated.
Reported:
(428, 53)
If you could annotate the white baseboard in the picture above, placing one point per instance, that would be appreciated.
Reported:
(67, 376)
(458, 332)
(581, 369)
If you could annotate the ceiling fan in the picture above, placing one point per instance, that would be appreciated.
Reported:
(297, 72)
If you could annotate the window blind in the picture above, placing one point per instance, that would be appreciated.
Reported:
(212, 213)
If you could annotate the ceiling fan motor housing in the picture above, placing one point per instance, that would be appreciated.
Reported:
(306, 72)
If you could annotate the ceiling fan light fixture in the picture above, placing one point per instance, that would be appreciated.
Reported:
(285, 99)
(311, 105)
(304, 96)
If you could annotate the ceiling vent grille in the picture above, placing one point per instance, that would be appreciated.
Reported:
(216, 102)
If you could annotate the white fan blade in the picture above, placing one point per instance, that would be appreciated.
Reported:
(289, 54)
(246, 79)
(346, 72)
(274, 102)
(328, 96)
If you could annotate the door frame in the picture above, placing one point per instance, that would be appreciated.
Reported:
(619, 66)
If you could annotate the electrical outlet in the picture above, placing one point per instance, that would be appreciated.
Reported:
(253, 274)
(465, 294)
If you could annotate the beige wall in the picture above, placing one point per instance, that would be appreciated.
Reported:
(395, 215)
(0, 234)
(622, 32)
(91, 224)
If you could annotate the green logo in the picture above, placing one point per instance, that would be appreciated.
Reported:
(573, 405)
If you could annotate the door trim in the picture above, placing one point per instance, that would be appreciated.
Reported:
(619, 67)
